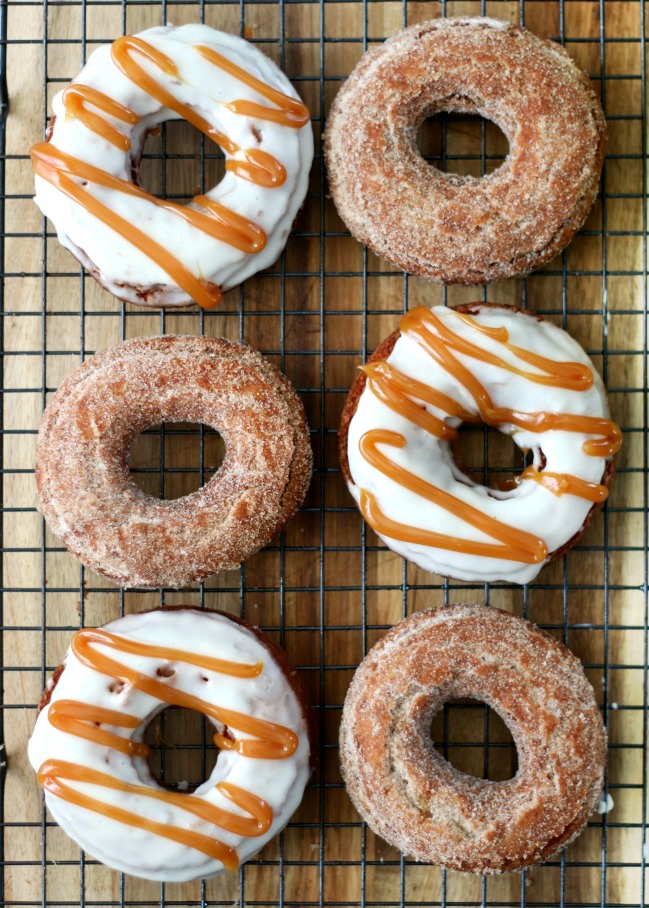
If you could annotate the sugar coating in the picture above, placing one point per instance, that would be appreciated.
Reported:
(461, 229)
(90, 499)
(417, 801)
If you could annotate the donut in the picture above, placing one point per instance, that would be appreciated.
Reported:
(90, 500)
(414, 799)
(148, 250)
(477, 363)
(89, 753)
(461, 229)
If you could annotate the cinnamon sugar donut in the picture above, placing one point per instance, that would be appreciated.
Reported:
(459, 229)
(155, 252)
(417, 801)
(507, 369)
(90, 500)
(89, 752)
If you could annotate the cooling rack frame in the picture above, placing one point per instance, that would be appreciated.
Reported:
(327, 589)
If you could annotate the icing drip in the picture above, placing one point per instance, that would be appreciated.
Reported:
(270, 741)
(253, 165)
(411, 400)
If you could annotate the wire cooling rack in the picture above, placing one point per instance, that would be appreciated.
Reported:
(326, 590)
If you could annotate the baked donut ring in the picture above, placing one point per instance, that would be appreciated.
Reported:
(478, 363)
(90, 500)
(88, 744)
(452, 228)
(414, 799)
(154, 252)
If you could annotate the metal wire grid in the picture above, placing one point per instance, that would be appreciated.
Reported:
(368, 873)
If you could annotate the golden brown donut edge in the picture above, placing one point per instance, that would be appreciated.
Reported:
(421, 804)
(461, 229)
(90, 500)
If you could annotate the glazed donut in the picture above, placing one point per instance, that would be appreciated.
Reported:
(452, 228)
(88, 750)
(408, 794)
(507, 369)
(153, 252)
(90, 500)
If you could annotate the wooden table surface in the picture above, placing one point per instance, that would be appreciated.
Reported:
(327, 589)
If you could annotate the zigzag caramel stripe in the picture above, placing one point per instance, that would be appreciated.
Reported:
(270, 741)
(405, 395)
(81, 102)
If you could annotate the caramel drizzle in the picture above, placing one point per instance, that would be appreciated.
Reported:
(59, 168)
(54, 774)
(287, 112)
(256, 166)
(429, 332)
(400, 393)
(75, 99)
(83, 720)
(405, 396)
(560, 484)
(271, 741)
(515, 545)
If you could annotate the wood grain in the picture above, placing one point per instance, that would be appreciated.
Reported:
(327, 590)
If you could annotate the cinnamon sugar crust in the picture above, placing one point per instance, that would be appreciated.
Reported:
(384, 350)
(461, 229)
(414, 799)
(90, 500)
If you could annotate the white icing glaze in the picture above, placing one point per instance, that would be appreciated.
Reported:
(269, 696)
(530, 507)
(109, 256)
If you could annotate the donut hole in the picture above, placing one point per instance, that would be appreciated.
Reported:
(475, 740)
(463, 144)
(487, 457)
(178, 162)
(175, 459)
(183, 754)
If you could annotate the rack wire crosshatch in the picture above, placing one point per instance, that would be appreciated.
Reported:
(326, 590)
